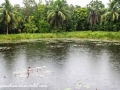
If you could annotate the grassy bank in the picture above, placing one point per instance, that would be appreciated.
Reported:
(114, 36)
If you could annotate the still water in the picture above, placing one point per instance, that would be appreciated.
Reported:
(57, 65)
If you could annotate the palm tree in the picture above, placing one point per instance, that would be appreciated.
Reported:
(93, 18)
(7, 16)
(115, 3)
(57, 13)
(95, 8)
(112, 13)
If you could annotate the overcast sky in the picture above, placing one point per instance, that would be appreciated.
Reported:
(82, 3)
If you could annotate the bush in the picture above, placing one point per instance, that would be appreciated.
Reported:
(44, 27)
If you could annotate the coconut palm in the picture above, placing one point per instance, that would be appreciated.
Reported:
(112, 13)
(7, 16)
(115, 3)
(58, 13)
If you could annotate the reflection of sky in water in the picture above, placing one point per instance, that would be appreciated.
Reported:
(88, 64)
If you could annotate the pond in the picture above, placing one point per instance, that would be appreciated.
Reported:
(60, 65)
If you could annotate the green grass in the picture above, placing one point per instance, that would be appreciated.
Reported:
(101, 35)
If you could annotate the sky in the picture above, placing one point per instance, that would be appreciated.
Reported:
(82, 3)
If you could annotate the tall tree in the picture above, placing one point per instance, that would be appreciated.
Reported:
(7, 16)
(30, 26)
(93, 18)
(80, 18)
(111, 17)
(57, 12)
(115, 3)
(112, 13)
(30, 7)
(95, 7)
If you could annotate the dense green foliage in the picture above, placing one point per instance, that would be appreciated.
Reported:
(57, 16)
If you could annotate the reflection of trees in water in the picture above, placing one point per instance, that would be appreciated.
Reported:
(114, 51)
(94, 51)
(43, 50)
(8, 57)
(59, 51)
(34, 50)
(12, 54)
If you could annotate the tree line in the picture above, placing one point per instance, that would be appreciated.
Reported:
(57, 16)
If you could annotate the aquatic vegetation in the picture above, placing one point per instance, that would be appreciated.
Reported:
(26, 73)
(5, 48)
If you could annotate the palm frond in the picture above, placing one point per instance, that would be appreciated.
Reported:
(116, 15)
(113, 17)
(60, 14)
(93, 17)
(48, 12)
(50, 15)
(1, 18)
(106, 16)
(12, 16)
(8, 18)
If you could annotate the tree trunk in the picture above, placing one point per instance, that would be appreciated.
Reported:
(7, 30)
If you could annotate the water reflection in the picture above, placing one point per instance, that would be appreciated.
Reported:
(75, 65)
